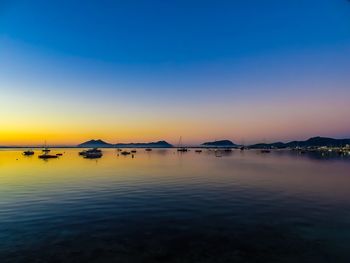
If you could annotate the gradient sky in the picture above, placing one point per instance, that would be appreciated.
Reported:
(126, 71)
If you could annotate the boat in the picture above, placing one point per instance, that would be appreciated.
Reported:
(47, 156)
(125, 153)
(28, 153)
(148, 149)
(227, 150)
(217, 153)
(93, 155)
(59, 154)
(45, 149)
(198, 151)
(133, 151)
(265, 151)
(180, 148)
(90, 151)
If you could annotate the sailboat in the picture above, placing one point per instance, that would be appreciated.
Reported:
(46, 154)
(46, 150)
(180, 148)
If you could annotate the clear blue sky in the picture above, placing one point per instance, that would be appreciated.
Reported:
(243, 70)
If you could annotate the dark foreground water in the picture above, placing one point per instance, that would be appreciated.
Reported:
(168, 207)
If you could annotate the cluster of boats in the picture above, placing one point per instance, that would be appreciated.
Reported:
(45, 155)
(126, 152)
(91, 153)
(97, 153)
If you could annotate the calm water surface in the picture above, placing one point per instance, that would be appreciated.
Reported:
(163, 206)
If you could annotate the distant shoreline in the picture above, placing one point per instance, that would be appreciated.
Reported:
(309, 143)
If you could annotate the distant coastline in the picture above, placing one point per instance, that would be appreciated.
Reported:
(311, 142)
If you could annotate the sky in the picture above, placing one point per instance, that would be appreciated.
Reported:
(138, 71)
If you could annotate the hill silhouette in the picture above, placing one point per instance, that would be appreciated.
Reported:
(312, 142)
(102, 144)
(221, 143)
(95, 143)
(159, 144)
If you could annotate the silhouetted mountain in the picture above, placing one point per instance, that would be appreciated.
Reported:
(221, 143)
(312, 142)
(159, 144)
(95, 144)
(102, 144)
(319, 141)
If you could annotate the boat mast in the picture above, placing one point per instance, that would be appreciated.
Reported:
(180, 142)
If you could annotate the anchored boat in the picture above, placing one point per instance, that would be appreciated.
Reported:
(47, 156)
(91, 153)
(180, 147)
(93, 150)
(28, 153)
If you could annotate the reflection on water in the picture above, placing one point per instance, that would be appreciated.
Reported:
(165, 206)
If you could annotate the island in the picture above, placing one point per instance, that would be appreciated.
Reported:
(102, 144)
(95, 144)
(221, 143)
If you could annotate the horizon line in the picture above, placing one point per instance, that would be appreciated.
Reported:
(174, 145)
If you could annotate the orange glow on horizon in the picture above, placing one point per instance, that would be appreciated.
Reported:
(240, 122)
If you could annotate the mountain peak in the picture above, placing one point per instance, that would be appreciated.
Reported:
(221, 143)
(95, 143)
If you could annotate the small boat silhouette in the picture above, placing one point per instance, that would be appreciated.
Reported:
(46, 149)
(90, 151)
(28, 153)
(217, 153)
(47, 156)
(93, 155)
(181, 148)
